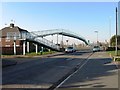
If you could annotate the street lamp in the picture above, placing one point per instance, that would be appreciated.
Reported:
(97, 37)
(116, 33)
(109, 30)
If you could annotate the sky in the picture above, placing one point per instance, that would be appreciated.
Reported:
(83, 18)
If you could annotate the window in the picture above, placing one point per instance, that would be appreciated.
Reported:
(7, 40)
(17, 45)
(7, 45)
(13, 35)
(8, 36)
(23, 35)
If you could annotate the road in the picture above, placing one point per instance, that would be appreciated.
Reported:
(98, 72)
(75, 70)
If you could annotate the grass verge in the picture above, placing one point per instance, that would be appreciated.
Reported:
(39, 53)
(117, 59)
(112, 53)
(33, 54)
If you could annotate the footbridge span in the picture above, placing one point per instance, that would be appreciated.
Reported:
(60, 32)
(38, 37)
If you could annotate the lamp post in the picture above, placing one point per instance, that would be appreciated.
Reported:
(62, 40)
(116, 34)
(97, 37)
(109, 30)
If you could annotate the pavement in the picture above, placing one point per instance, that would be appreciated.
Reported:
(117, 63)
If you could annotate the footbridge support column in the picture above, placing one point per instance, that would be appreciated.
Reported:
(28, 47)
(57, 39)
(24, 47)
(36, 46)
(14, 47)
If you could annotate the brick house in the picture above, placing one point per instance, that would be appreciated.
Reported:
(8, 36)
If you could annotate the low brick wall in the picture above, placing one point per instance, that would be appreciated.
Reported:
(10, 50)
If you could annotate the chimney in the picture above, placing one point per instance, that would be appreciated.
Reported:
(11, 25)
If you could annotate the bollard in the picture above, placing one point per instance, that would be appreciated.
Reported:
(40, 52)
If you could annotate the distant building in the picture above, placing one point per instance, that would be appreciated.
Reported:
(8, 36)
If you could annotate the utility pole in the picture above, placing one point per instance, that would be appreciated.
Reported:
(116, 34)
(109, 30)
(62, 39)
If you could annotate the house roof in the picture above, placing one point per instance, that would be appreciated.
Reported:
(13, 27)
(5, 30)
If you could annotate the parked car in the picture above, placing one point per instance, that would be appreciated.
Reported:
(96, 48)
(70, 49)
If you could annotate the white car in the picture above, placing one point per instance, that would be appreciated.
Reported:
(96, 48)
(70, 49)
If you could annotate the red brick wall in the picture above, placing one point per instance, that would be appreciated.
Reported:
(10, 50)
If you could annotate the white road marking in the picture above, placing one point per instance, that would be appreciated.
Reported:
(72, 73)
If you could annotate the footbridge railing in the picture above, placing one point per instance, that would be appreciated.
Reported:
(43, 41)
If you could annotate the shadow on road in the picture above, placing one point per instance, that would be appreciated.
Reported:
(94, 70)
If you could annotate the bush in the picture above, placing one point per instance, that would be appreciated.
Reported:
(112, 48)
(118, 59)
(113, 40)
